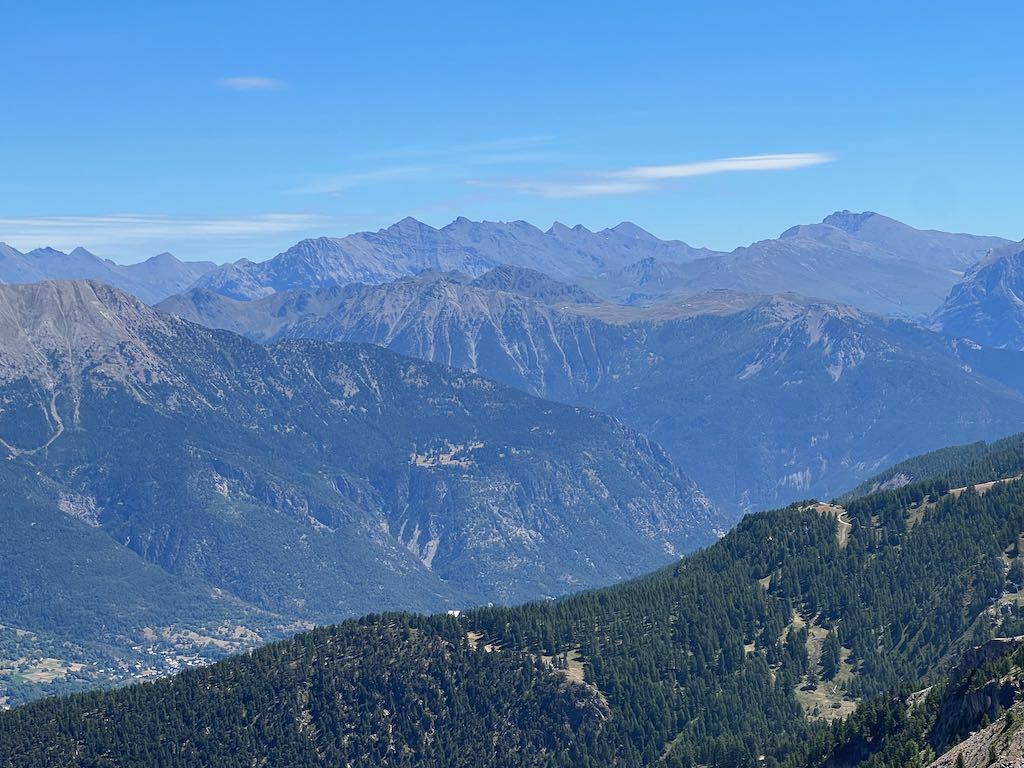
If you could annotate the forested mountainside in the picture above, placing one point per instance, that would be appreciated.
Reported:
(970, 719)
(738, 655)
(306, 480)
(723, 381)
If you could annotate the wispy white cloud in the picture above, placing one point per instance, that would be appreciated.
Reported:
(451, 162)
(252, 83)
(477, 163)
(724, 165)
(645, 178)
(497, 149)
(334, 183)
(128, 228)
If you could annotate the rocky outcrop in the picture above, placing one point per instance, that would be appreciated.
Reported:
(970, 700)
(987, 306)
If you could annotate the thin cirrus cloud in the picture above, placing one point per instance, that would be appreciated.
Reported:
(451, 162)
(251, 83)
(340, 182)
(129, 228)
(647, 178)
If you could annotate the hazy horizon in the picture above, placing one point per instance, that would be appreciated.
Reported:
(257, 257)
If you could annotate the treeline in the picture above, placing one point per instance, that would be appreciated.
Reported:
(957, 465)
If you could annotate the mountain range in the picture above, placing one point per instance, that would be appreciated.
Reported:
(865, 259)
(200, 460)
(883, 633)
(723, 380)
(151, 280)
(870, 261)
(302, 480)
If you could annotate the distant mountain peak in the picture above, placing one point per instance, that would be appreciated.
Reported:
(165, 257)
(46, 252)
(987, 305)
(408, 225)
(848, 220)
(533, 284)
(1014, 250)
(629, 229)
(864, 259)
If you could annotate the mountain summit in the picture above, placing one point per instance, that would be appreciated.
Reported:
(410, 247)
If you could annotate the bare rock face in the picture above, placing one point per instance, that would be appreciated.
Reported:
(978, 722)
(987, 306)
(998, 745)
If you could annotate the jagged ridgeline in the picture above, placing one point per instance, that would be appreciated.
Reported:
(738, 655)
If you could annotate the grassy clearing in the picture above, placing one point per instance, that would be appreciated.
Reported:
(45, 670)
(822, 699)
(827, 700)
(983, 488)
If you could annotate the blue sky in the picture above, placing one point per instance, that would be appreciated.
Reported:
(222, 130)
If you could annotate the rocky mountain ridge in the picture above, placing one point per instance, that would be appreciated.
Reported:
(867, 260)
(987, 305)
(151, 280)
(700, 376)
